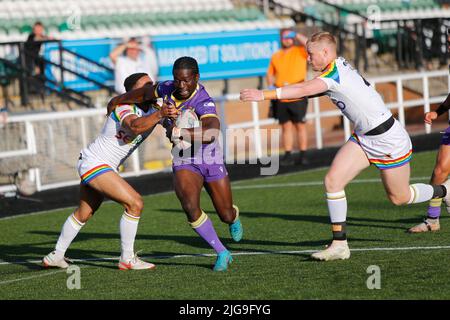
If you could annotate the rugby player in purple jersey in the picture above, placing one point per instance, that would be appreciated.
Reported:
(439, 175)
(202, 164)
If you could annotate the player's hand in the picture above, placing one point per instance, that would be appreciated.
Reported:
(251, 95)
(169, 127)
(430, 116)
(168, 110)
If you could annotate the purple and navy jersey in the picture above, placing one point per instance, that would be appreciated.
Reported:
(203, 105)
(200, 101)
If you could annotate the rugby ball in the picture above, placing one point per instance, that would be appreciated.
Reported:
(186, 120)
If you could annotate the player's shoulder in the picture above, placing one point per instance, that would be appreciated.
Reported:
(331, 71)
(202, 96)
(123, 110)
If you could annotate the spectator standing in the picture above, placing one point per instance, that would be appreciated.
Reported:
(288, 66)
(133, 57)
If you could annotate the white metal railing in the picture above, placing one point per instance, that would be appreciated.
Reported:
(256, 123)
(317, 115)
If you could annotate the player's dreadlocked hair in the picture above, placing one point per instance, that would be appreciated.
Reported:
(131, 80)
(186, 63)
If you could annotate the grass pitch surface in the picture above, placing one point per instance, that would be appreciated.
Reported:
(285, 219)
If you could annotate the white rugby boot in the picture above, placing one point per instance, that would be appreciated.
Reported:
(52, 260)
(135, 263)
(425, 226)
(338, 250)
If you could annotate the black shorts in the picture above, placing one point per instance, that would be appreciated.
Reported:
(294, 111)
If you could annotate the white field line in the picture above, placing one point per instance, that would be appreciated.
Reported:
(250, 253)
(32, 277)
(158, 194)
(72, 208)
(311, 183)
(234, 187)
(35, 276)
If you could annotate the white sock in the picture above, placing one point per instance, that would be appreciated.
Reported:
(337, 206)
(128, 230)
(69, 231)
(420, 192)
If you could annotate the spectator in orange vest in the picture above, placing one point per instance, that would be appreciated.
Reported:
(287, 66)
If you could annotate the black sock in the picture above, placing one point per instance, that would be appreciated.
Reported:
(439, 191)
(339, 230)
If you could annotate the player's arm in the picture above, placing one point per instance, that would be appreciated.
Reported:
(207, 133)
(433, 115)
(294, 91)
(145, 93)
(139, 125)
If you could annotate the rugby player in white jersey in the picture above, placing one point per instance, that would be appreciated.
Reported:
(123, 131)
(378, 138)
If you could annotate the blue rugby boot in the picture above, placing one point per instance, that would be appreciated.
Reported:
(236, 230)
(224, 258)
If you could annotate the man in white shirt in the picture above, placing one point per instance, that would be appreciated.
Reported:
(124, 130)
(137, 59)
(378, 138)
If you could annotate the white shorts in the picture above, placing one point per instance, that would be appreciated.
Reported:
(89, 168)
(388, 150)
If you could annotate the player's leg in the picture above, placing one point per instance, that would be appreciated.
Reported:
(116, 188)
(348, 163)
(302, 136)
(221, 196)
(287, 131)
(439, 176)
(188, 185)
(90, 201)
(400, 192)
(299, 109)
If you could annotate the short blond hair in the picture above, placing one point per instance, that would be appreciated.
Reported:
(324, 37)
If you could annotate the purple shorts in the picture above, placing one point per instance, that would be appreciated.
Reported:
(209, 172)
(446, 137)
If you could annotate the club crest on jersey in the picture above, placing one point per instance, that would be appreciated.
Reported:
(341, 105)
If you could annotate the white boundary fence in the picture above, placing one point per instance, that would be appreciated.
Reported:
(82, 115)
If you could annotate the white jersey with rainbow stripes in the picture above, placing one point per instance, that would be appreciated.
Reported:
(115, 143)
(354, 96)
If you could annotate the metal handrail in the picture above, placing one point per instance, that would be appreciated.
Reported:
(256, 123)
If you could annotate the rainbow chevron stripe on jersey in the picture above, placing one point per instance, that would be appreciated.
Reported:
(116, 142)
(95, 172)
(331, 72)
(354, 96)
